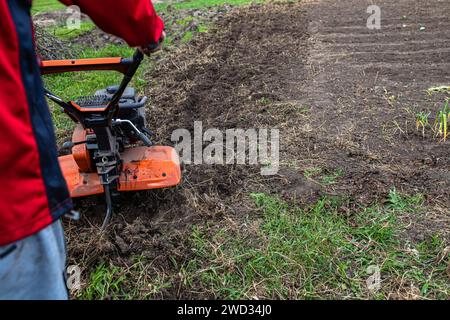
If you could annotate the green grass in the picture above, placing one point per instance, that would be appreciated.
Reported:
(264, 101)
(311, 172)
(50, 5)
(296, 253)
(323, 177)
(202, 28)
(332, 177)
(46, 5)
(64, 33)
(315, 253)
(197, 4)
(187, 37)
(104, 283)
(185, 22)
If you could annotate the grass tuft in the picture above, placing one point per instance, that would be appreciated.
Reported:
(104, 283)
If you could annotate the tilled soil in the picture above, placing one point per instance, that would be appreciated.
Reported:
(365, 89)
(343, 97)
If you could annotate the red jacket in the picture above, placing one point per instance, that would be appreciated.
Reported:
(33, 192)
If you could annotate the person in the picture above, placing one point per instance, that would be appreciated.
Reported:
(33, 192)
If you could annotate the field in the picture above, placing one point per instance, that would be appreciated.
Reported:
(363, 188)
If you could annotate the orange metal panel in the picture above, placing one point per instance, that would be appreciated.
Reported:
(60, 66)
(80, 152)
(80, 62)
(149, 168)
(87, 109)
(144, 168)
(79, 184)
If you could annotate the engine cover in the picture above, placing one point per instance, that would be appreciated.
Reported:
(144, 168)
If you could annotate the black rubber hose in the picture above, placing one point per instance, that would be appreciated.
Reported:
(109, 208)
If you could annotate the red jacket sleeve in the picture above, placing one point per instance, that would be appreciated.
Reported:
(135, 21)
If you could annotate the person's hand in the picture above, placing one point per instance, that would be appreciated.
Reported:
(154, 47)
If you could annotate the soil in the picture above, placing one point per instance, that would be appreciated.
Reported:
(343, 97)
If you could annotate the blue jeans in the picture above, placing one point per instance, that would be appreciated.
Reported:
(34, 268)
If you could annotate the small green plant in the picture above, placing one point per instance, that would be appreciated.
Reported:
(185, 22)
(104, 283)
(264, 101)
(302, 109)
(202, 28)
(442, 119)
(332, 177)
(311, 172)
(399, 202)
(422, 121)
(187, 37)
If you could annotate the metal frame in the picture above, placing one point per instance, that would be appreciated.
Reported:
(100, 120)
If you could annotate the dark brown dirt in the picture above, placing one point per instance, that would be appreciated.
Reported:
(338, 92)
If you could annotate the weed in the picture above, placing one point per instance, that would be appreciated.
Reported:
(325, 179)
(185, 22)
(332, 178)
(311, 172)
(264, 101)
(422, 121)
(187, 37)
(398, 202)
(302, 109)
(202, 28)
(442, 120)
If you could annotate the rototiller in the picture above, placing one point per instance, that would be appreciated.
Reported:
(105, 155)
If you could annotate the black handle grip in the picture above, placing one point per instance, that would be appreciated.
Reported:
(145, 139)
